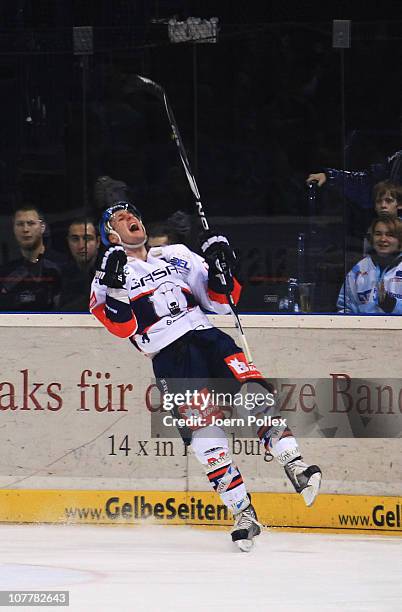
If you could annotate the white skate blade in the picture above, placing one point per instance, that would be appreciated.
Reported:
(311, 491)
(245, 545)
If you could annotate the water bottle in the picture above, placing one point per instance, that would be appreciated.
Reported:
(301, 258)
(283, 304)
(290, 301)
(293, 304)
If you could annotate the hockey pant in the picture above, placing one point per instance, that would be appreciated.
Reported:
(206, 358)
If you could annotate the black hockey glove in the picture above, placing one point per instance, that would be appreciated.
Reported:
(111, 271)
(221, 262)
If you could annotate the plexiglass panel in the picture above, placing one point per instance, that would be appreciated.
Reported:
(260, 107)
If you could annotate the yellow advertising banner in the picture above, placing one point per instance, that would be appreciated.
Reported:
(346, 513)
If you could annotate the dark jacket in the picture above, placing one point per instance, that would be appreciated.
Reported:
(76, 288)
(26, 286)
(358, 185)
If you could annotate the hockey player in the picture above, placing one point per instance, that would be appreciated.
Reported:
(156, 299)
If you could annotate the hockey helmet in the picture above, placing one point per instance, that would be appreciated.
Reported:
(105, 227)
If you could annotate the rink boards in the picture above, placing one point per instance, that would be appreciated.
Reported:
(76, 406)
(345, 513)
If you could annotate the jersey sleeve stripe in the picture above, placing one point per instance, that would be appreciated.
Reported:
(221, 298)
(122, 330)
(141, 295)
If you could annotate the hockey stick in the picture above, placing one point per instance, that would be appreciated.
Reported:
(153, 87)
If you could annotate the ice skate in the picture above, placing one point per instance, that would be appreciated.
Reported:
(245, 529)
(306, 479)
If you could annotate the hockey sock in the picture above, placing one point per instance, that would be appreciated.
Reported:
(280, 443)
(223, 474)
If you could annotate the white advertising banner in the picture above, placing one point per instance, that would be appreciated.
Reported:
(76, 405)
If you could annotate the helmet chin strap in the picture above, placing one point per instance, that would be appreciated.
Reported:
(134, 246)
(126, 245)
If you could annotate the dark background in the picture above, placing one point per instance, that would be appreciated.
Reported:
(258, 111)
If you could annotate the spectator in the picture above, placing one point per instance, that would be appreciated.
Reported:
(108, 190)
(160, 234)
(175, 230)
(358, 185)
(83, 242)
(373, 285)
(387, 198)
(32, 282)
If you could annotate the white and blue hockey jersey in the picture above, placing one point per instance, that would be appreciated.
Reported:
(360, 291)
(164, 298)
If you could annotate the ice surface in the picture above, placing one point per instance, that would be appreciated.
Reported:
(172, 569)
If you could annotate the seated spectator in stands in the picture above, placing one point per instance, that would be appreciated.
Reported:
(175, 230)
(160, 234)
(387, 198)
(83, 242)
(374, 284)
(32, 282)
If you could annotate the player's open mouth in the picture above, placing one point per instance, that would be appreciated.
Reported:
(133, 227)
